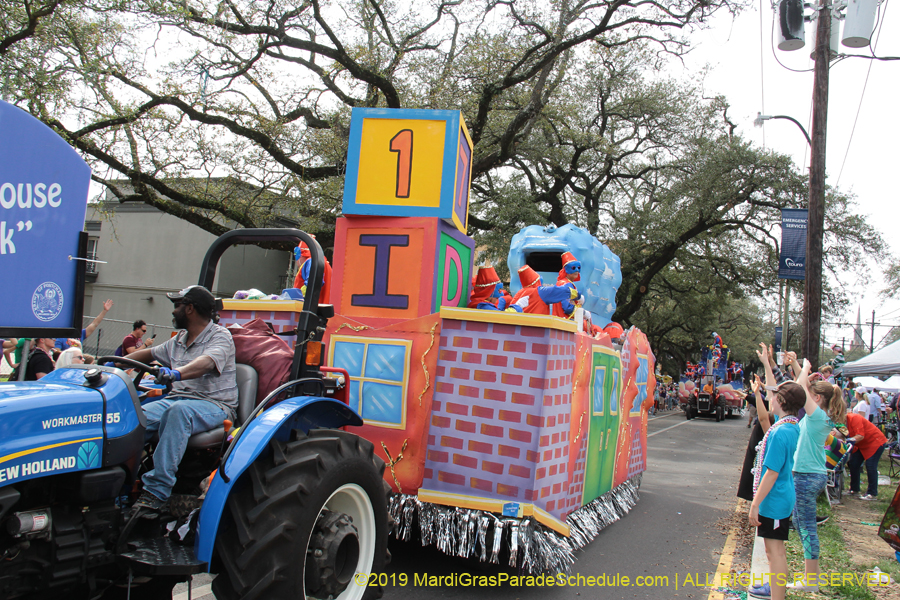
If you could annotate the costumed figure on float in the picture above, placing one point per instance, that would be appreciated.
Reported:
(488, 292)
(537, 298)
(302, 262)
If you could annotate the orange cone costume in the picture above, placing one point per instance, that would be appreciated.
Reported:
(535, 298)
(486, 290)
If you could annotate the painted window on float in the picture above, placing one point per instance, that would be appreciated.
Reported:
(379, 375)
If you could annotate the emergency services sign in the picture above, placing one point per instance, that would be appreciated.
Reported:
(43, 199)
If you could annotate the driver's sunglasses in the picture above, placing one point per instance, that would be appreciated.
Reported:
(179, 303)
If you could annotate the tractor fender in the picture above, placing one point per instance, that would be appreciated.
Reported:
(301, 412)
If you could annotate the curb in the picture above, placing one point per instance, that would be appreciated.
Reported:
(759, 563)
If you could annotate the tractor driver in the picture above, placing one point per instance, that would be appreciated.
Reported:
(199, 363)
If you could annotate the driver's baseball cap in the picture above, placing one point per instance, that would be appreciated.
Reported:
(197, 295)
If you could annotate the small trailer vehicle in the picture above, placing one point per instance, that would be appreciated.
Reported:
(296, 508)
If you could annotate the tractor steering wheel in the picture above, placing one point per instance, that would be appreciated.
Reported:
(141, 369)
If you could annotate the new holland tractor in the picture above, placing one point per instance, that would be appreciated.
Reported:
(296, 506)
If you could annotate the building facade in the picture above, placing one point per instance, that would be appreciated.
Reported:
(147, 253)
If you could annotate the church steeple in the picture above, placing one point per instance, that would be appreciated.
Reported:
(858, 341)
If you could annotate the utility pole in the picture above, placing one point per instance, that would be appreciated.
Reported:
(872, 338)
(812, 313)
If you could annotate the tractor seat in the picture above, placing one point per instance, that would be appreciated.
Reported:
(247, 381)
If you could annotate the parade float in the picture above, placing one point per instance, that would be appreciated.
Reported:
(508, 437)
(714, 386)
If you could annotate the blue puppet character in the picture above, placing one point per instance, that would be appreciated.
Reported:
(535, 298)
(488, 292)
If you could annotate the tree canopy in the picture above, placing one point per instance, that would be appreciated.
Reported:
(573, 117)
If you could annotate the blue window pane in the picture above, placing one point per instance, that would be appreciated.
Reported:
(349, 355)
(643, 373)
(354, 395)
(614, 394)
(599, 385)
(382, 402)
(386, 361)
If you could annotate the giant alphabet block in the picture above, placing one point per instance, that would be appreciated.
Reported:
(408, 163)
(399, 268)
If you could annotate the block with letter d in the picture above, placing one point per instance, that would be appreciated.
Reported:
(392, 269)
(408, 163)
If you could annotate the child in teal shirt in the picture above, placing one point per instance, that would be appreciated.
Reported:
(773, 499)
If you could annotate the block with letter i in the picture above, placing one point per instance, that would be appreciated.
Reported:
(392, 269)
(408, 163)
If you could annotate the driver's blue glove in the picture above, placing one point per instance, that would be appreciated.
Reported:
(167, 376)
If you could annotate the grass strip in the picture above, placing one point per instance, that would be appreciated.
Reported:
(834, 556)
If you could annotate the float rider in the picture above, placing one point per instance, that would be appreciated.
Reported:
(302, 253)
(568, 275)
(488, 292)
(199, 362)
(535, 298)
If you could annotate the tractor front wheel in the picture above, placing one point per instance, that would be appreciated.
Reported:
(305, 520)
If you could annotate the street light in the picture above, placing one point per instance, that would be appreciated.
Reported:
(760, 118)
(758, 122)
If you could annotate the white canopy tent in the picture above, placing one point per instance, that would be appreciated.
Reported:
(883, 362)
(873, 383)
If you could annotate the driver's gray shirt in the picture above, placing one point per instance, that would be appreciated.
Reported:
(218, 386)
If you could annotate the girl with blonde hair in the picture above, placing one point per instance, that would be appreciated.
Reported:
(831, 400)
(824, 410)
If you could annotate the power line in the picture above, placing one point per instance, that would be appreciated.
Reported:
(762, 79)
(852, 131)
(877, 27)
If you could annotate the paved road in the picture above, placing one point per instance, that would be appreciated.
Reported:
(692, 472)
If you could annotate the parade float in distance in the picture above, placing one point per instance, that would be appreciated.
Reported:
(509, 435)
(714, 386)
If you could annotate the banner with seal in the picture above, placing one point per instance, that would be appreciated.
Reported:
(43, 199)
(792, 262)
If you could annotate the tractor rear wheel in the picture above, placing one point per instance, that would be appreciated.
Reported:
(304, 520)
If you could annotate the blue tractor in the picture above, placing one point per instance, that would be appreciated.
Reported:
(296, 508)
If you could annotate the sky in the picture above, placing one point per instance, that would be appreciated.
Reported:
(745, 69)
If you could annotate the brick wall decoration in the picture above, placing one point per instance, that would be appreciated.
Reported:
(501, 415)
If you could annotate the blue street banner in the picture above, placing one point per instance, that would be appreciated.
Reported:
(43, 199)
(792, 262)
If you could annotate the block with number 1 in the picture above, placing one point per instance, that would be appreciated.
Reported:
(408, 163)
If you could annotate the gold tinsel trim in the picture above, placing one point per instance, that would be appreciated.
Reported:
(580, 422)
(575, 387)
(424, 368)
(349, 326)
(392, 461)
